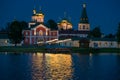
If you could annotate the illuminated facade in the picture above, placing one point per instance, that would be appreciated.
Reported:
(64, 25)
(79, 37)
(84, 23)
(37, 31)
(103, 43)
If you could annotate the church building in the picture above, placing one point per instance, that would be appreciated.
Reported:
(37, 32)
(79, 36)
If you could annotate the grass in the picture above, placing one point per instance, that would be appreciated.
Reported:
(21, 49)
(42, 49)
(99, 50)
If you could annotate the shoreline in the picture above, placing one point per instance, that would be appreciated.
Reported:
(56, 50)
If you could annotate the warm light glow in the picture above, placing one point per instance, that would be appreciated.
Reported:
(63, 40)
(51, 66)
(51, 40)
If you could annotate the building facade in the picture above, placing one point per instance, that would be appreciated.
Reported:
(37, 32)
(64, 25)
(79, 37)
(103, 43)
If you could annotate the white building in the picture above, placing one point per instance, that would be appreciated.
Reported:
(103, 43)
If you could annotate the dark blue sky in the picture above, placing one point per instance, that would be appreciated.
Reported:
(103, 13)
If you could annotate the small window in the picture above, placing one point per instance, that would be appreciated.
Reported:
(111, 43)
(100, 43)
(40, 33)
(80, 27)
(34, 33)
(26, 33)
(54, 33)
(46, 33)
(83, 26)
(106, 44)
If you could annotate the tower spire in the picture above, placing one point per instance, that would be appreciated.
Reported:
(34, 9)
(84, 23)
(84, 17)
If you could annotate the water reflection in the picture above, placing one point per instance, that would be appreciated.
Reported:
(51, 66)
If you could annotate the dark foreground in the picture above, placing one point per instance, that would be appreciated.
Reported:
(49, 66)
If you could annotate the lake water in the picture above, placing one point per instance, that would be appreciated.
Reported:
(49, 66)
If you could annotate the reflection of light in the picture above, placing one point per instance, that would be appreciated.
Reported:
(51, 66)
(90, 59)
(90, 54)
(60, 66)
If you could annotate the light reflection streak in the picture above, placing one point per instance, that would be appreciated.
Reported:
(51, 66)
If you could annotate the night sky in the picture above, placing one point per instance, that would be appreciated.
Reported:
(103, 13)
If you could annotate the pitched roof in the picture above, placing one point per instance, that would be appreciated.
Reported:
(84, 17)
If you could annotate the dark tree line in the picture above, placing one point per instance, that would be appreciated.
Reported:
(95, 33)
(52, 24)
(14, 31)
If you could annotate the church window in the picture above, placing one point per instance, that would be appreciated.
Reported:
(87, 27)
(34, 33)
(80, 27)
(40, 33)
(83, 26)
(26, 33)
(46, 33)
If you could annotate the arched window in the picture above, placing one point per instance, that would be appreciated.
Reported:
(40, 33)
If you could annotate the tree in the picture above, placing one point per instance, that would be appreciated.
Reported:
(23, 24)
(96, 32)
(52, 24)
(110, 36)
(15, 31)
(118, 34)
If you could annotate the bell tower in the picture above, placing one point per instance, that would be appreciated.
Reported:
(84, 23)
(38, 17)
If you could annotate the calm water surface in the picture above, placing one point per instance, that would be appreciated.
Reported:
(48, 66)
